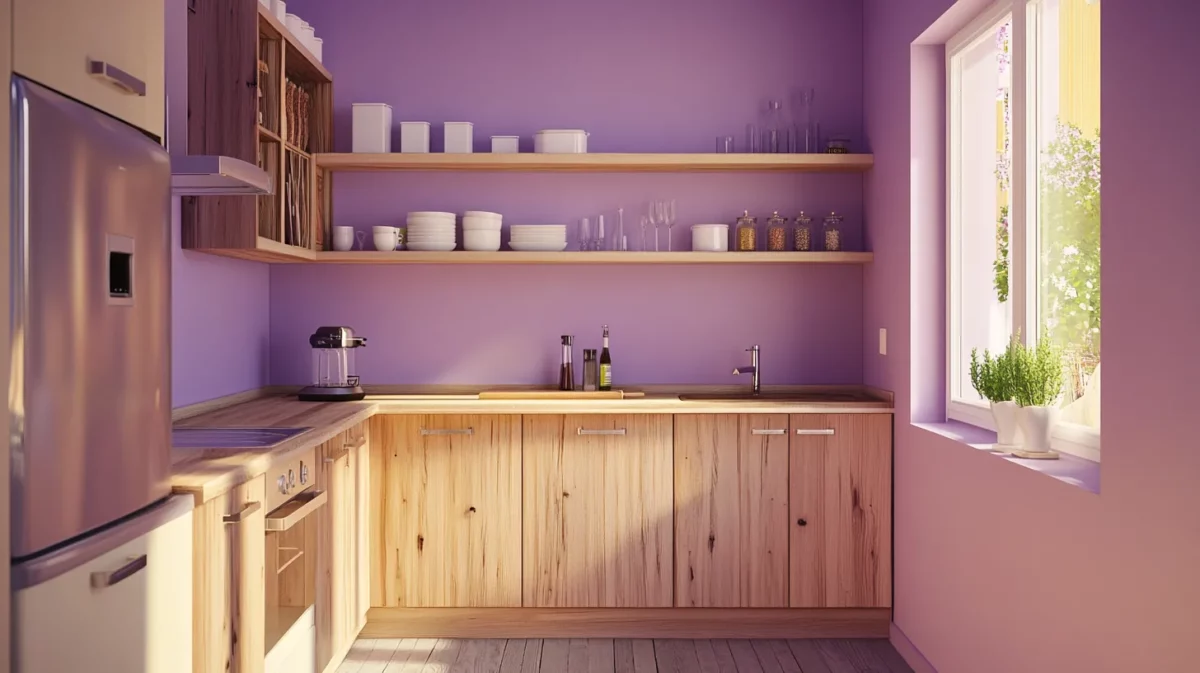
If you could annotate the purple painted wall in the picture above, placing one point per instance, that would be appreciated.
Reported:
(667, 75)
(219, 307)
(999, 568)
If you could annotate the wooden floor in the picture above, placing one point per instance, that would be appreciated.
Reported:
(597, 655)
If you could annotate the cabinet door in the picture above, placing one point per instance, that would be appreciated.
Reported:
(228, 582)
(55, 41)
(362, 528)
(841, 510)
(447, 498)
(731, 511)
(335, 549)
(598, 511)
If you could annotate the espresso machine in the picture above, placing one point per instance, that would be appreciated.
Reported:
(333, 378)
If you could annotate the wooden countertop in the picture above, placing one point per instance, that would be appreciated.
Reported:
(208, 473)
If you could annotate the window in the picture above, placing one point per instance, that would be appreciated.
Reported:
(1023, 164)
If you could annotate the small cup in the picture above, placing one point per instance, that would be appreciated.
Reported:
(725, 145)
(386, 238)
(343, 238)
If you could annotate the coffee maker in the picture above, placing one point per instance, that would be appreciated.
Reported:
(333, 378)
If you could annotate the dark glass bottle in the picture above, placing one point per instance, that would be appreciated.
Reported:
(605, 364)
(566, 376)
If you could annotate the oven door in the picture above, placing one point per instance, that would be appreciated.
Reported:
(291, 573)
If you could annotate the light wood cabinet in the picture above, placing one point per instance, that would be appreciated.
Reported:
(731, 510)
(228, 582)
(58, 42)
(447, 509)
(841, 518)
(597, 511)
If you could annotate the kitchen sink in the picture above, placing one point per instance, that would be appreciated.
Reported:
(232, 438)
(776, 397)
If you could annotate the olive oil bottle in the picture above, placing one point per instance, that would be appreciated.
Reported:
(605, 364)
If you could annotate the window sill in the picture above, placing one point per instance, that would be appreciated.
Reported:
(1069, 469)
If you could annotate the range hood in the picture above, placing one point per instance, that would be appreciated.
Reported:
(208, 175)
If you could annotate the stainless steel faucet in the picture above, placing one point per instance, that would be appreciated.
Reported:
(753, 369)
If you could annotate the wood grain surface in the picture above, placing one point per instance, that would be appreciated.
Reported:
(597, 511)
(731, 511)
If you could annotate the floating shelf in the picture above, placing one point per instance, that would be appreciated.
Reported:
(299, 59)
(576, 258)
(600, 163)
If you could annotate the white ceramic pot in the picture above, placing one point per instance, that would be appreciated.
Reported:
(560, 141)
(1008, 431)
(710, 237)
(343, 238)
(1037, 423)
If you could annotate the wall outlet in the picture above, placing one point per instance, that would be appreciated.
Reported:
(883, 341)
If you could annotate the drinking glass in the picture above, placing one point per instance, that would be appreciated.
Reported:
(669, 219)
(645, 223)
(725, 145)
(753, 139)
(585, 234)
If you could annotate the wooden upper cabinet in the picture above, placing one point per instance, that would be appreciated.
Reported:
(598, 511)
(841, 518)
(58, 42)
(447, 509)
(731, 510)
(229, 581)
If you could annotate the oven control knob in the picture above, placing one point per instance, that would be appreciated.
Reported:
(303, 473)
(282, 484)
(291, 478)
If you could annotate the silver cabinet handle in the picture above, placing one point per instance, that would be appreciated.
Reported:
(771, 431)
(107, 72)
(457, 431)
(617, 431)
(808, 431)
(108, 578)
(250, 508)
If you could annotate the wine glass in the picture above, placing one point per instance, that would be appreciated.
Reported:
(654, 216)
(645, 222)
(668, 209)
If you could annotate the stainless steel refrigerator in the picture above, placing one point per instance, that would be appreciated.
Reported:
(90, 394)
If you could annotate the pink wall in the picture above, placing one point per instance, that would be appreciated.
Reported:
(219, 307)
(999, 568)
(668, 75)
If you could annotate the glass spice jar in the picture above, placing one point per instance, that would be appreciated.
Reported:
(833, 232)
(777, 233)
(747, 232)
(802, 237)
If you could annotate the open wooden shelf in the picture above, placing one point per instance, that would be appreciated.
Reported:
(299, 59)
(600, 163)
(569, 257)
(267, 133)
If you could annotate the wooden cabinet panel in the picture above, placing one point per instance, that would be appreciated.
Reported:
(228, 582)
(597, 511)
(54, 40)
(447, 496)
(336, 623)
(362, 529)
(731, 510)
(841, 518)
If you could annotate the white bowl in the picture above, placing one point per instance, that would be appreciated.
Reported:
(538, 247)
(537, 239)
(426, 222)
(710, 237)
(539, 227)
(481, 240)
(481, 223)
(482, 213)
(560, 141)
(431, 247)
(438, 214)
(426, 229)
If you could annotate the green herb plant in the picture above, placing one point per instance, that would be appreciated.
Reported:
(994, 377)
(1039, 373)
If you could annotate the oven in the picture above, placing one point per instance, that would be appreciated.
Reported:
(293, 501)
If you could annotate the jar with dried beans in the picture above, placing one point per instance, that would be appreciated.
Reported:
(833, 232)
(802, 237)
(747, 232)
(777, 233)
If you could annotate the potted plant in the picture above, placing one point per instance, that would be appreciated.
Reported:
(1038, 384)
(994, 378)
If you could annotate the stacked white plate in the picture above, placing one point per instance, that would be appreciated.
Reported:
(481, 230)
(538, 237)
(430, 231)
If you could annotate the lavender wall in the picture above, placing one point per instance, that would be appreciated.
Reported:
(999, 568)
(219, 307)
(641, 76)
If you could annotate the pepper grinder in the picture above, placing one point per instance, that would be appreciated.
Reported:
(566, 375)
(591, 370)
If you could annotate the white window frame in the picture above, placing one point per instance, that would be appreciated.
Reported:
(1069, 438)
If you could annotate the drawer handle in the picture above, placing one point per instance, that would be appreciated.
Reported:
(337, 456)
(120, 79)
(101, 580)
(771, 431)
(456, 431)
(250, 508)
(808, 431)
(616, 431)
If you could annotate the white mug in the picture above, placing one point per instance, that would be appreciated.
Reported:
(343, 238)
(385, 241)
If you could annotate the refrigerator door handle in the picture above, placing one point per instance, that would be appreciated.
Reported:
(107, 72)
(108, 578)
